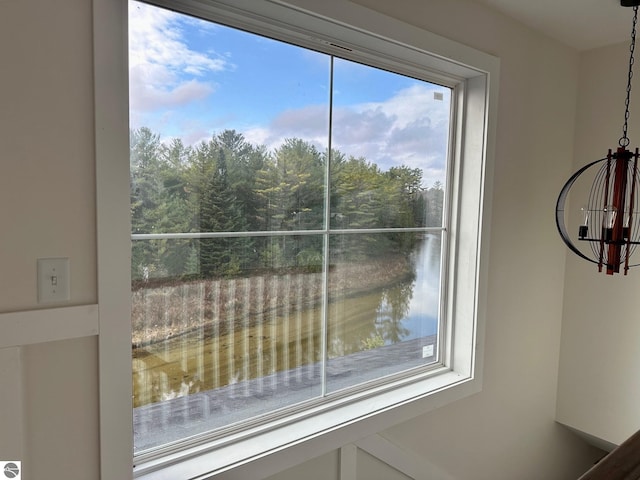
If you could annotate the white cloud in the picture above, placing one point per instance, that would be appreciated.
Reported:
(310, 123)
(410, 128)
(166, 74)
(164, 71)
(150, 96)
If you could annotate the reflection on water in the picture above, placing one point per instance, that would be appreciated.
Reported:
(236, 329)
(260, 332)
(395, 322)
(422, 317)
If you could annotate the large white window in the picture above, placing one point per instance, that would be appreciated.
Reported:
(306, 242)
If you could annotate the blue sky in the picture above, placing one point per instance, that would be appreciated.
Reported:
(191, 79)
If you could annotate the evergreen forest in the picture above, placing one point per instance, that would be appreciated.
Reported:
(228, 185)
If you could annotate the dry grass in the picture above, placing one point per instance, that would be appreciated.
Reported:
(160, 312)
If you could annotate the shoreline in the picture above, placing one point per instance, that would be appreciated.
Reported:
(173, 309)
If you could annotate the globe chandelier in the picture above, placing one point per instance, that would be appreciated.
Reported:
(609, 225)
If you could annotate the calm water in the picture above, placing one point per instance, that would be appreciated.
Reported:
(258, 335)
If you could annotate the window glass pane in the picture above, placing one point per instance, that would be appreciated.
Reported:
(248, 295)
(229, 129)
(392, 132)
(216, 350)
(384, 309)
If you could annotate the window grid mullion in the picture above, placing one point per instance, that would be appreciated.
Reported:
(326, 243)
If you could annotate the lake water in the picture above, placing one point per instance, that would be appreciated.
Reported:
(262, 337)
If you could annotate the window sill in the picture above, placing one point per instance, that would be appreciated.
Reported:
(266, 449)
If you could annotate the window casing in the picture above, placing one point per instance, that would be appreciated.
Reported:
(372, 408)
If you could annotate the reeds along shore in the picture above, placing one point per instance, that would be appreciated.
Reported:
(162, 311)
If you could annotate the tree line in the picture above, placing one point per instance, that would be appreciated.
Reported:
(227, 184)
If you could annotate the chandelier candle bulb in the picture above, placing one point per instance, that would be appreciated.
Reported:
(608, 222)
(625, 228)
(584, 226)
(610, 212)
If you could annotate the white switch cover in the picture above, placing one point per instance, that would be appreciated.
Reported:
(53, 280)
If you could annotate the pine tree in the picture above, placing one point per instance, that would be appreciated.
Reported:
(219, 212)
(145, 194)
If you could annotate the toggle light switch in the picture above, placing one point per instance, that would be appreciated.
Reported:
(53, 280)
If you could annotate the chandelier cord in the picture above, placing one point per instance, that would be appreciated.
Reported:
(624, 140)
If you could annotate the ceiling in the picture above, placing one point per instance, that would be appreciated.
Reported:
(582, 24)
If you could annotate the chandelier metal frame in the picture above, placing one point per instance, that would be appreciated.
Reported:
(610, 222)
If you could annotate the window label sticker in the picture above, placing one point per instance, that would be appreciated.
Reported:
(427, 351)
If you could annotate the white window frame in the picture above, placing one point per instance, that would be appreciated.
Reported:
(265, 449)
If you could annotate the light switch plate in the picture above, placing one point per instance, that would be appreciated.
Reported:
(53, 280)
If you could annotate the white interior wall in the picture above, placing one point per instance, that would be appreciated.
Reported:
(47, 186)
(48, 197)
(599, 390)
(61, 420)
(324, 467)
(371, 468)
